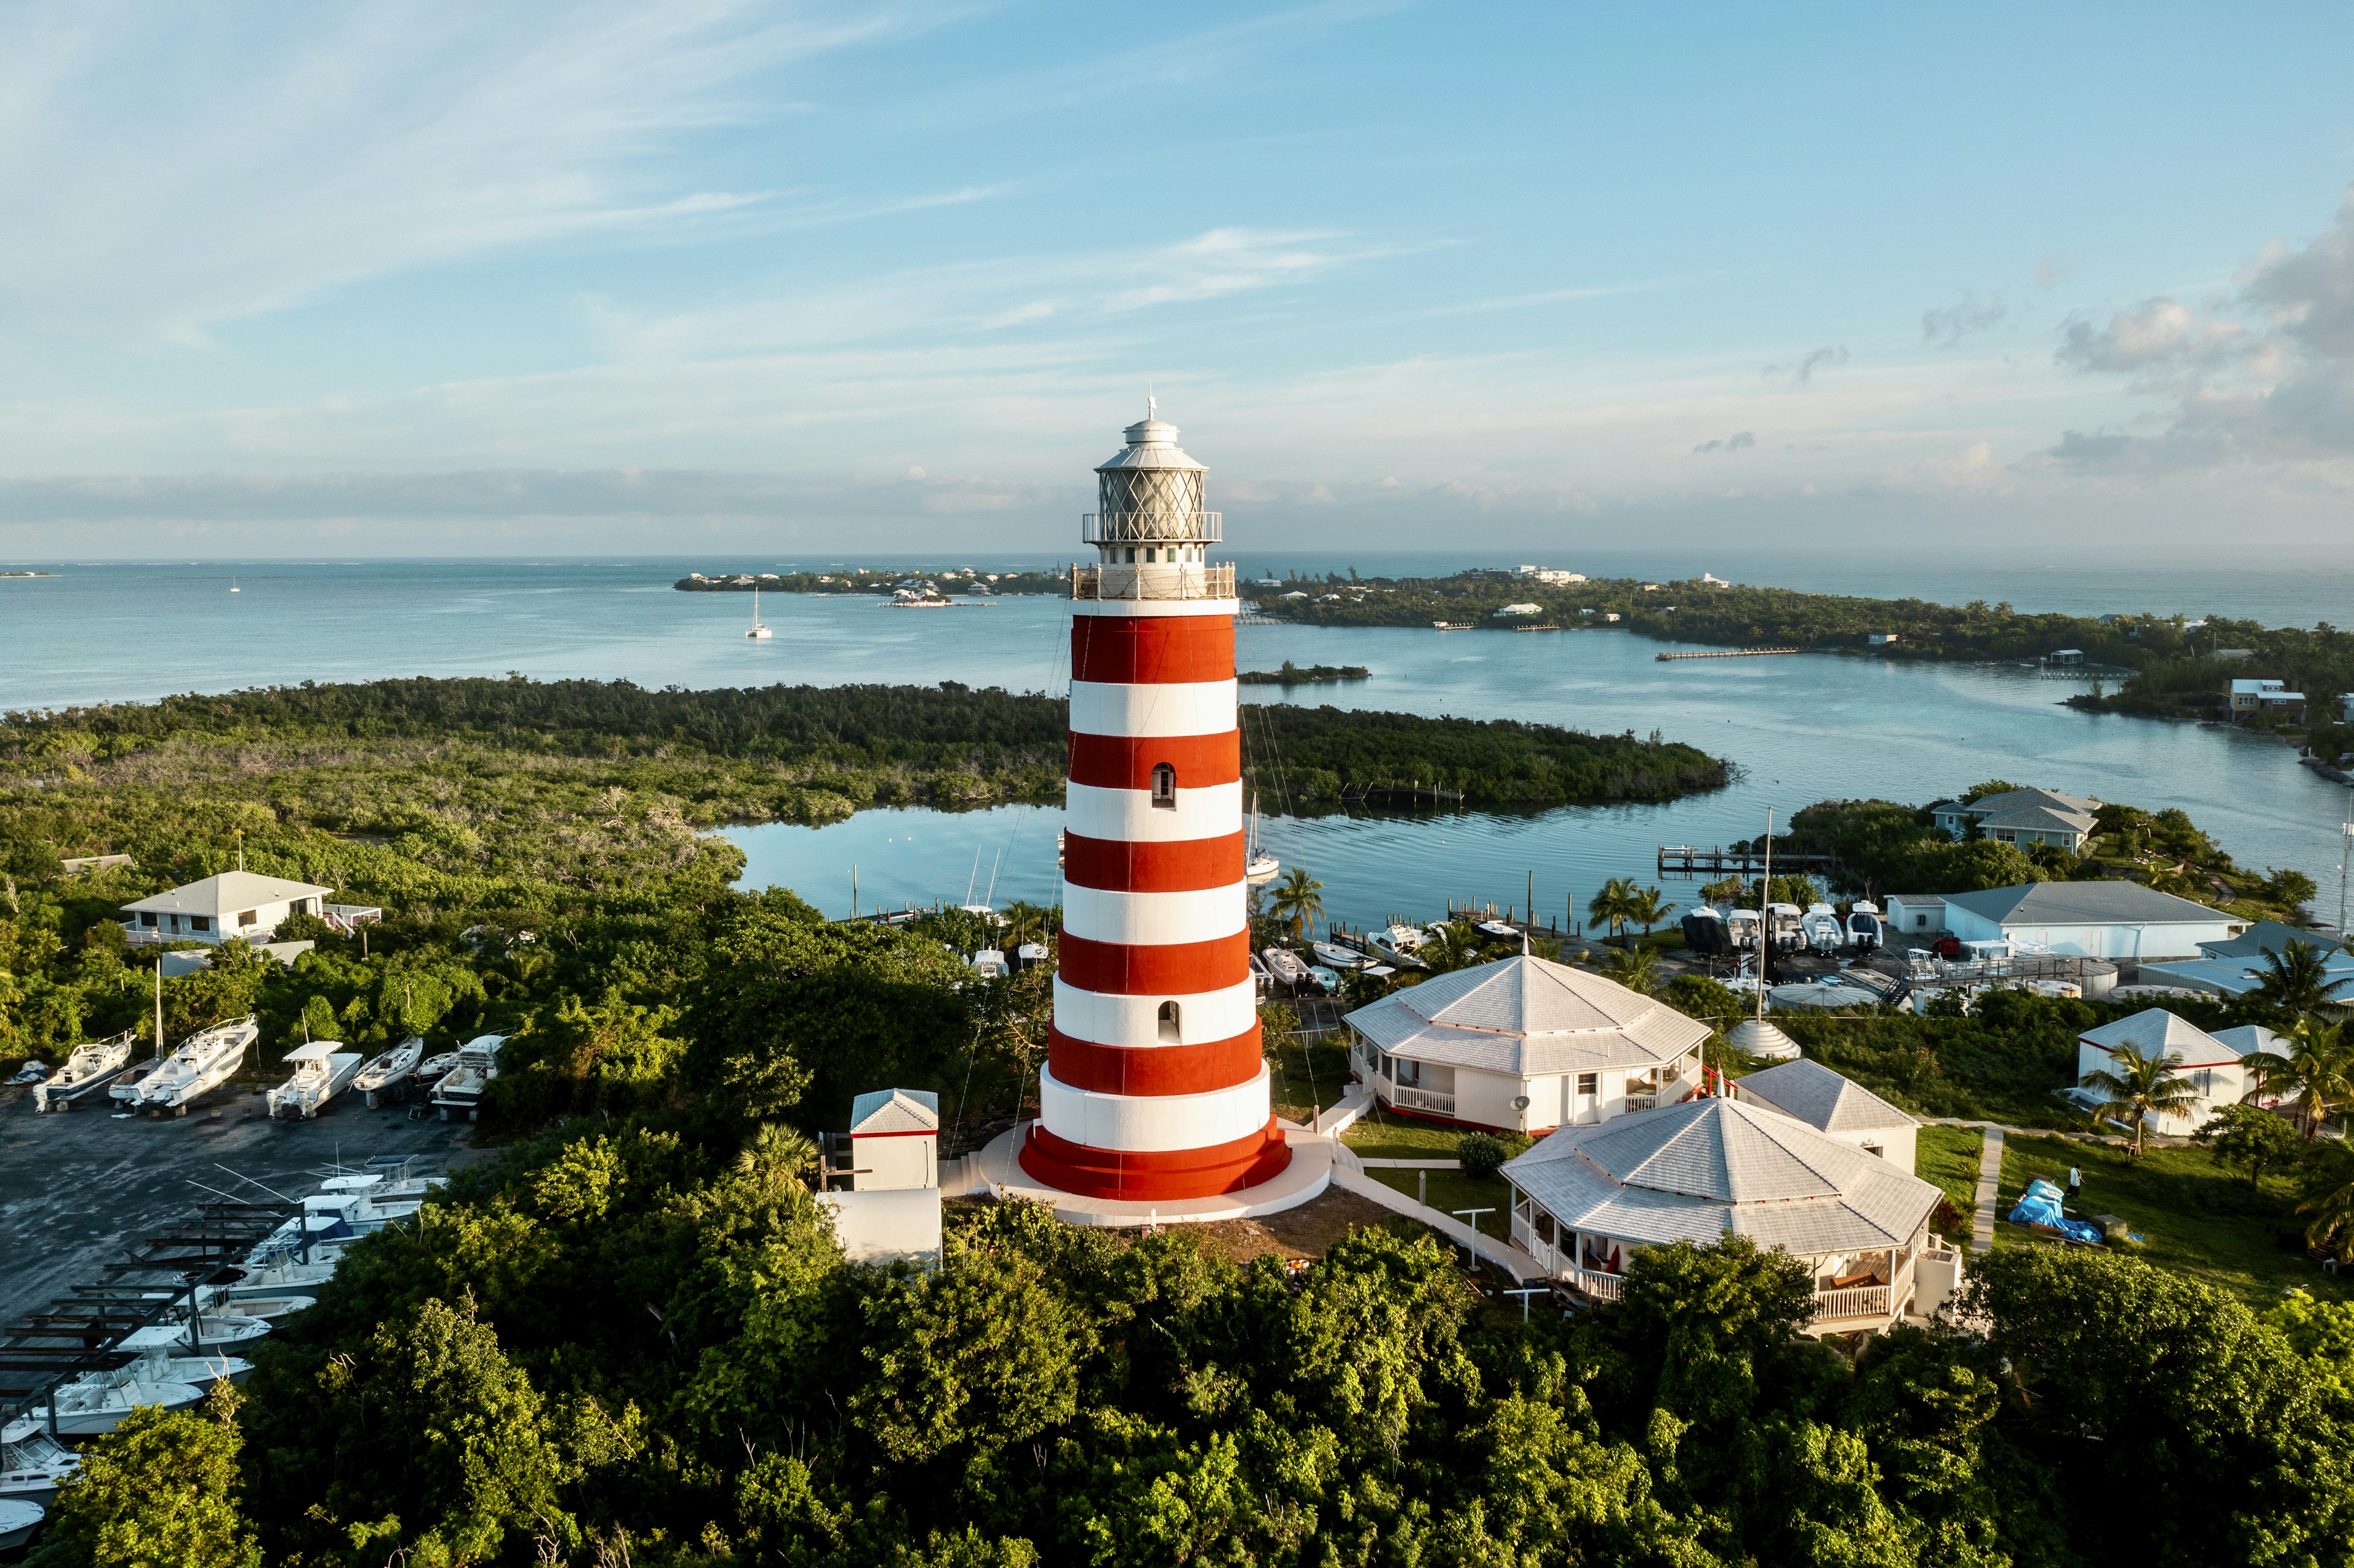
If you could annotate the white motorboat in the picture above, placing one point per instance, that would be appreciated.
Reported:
(272, 1309)
(1336, 957)
(131, 1081)
(759, 632)
(1497, 929)
(989, 964)
(1401, 938)
(93, 1405)
(217, 1331)
(1284, 965)
(32, 1463)
(203, 1062)
(1782, 920)
(433, 1069)
(1821, 926)
(478, 1064)
(199, 1371)
(19, 1517)
(88, 1067)
(1385, 950)
(389, 1069)
(1864, 931)
(286, 1278)
(321, 1072)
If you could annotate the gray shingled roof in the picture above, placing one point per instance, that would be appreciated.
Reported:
(1527, 1017)
(2271, 937)
(2083, 903)
(895, 1110)
(1710, 1168)
(1811, 1093)
(2154, 1032)
(230, 892)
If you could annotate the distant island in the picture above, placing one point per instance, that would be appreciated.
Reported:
(872, 581)
(1292, 674)
(27, 574)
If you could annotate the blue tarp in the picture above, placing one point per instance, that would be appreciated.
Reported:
(2039, 1205)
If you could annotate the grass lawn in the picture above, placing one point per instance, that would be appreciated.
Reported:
(1308, 1078)
(1452, 1189)
(2199, 1219)
(1378, 1135)
(1948, 1156)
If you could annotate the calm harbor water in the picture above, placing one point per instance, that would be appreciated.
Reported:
(1800, 729)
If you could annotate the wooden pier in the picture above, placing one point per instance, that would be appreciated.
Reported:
(1684, 860)
(1728, 654)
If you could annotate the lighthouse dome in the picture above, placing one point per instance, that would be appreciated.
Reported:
(1151, 443)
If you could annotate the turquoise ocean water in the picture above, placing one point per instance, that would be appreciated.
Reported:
(1799, 729)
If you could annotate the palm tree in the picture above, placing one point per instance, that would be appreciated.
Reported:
(1026, 922)
(1613, 905)
(2318, 1073)
(1453, 945)
(2143, 1087)
(2297, 979)
(1298, 901)
(1647, 910)
(1638, 970)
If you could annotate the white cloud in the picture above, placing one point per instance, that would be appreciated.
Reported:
(275, 151)
(1959, 319)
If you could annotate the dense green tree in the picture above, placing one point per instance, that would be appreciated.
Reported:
(2249, 1138)
(160, 1490)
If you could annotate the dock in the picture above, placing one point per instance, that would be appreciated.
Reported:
(1728, 654)
(1685, 859)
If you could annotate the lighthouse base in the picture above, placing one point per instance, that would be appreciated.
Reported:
(1295, 1169)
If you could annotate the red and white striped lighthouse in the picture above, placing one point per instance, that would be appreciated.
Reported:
(1154, 1087)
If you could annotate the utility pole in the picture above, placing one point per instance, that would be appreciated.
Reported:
(1765, 922)
(2345, 851)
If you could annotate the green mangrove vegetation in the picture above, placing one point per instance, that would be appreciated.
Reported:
(1293, 674)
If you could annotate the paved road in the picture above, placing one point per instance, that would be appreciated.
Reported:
(78, 1188)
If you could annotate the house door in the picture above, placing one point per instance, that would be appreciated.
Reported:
(1585, 1100)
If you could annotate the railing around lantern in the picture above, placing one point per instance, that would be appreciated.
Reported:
(1214, 581)
(1152, 527)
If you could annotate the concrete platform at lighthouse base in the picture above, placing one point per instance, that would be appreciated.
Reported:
(996, 1170)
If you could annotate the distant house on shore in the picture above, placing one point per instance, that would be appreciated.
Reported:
(2249, 697)
(1881, 639)
(240, 903)
(2023, 817)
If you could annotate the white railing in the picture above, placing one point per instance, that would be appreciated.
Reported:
(1174, 581)
(1152, 527)
(1422, 1101)
(1865, 1300)
(1593, 1282)
(1641, 1103)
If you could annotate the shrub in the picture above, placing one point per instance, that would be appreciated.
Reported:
(1481, 1154)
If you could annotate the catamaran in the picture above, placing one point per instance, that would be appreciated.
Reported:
(321, 1072)
(759, 632)
(88, 1067)
(204, 1061)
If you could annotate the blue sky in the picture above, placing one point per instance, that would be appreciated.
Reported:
(460, 279)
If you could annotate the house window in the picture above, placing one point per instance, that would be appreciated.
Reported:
(200, 922)
(1131, 555)
(1545, 1227)
(1920, 922)
(1404, 1073)
(146, 917)
(1168, 1023)
(1875, 1151)
(1589, 1082)
(1164, 786)
(248, 917)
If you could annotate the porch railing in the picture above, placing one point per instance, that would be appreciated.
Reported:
(1422, 1101)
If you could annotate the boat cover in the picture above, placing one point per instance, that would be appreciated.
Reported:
(2039, 1205)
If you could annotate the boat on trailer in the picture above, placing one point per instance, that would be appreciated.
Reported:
(88, 1067)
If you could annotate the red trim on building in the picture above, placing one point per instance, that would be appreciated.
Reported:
(1154, 1070)
(1070, 1167)
(1154, 649)
(1179, 866)
(1126, 762)
(1167, 969)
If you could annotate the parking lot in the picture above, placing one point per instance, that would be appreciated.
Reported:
(79, 1189)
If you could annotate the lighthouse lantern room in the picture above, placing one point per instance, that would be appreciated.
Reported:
(1154, 1088)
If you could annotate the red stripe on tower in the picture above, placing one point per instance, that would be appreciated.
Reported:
(1154, 1087)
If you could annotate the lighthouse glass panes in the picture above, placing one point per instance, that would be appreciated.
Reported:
(1154, 1088)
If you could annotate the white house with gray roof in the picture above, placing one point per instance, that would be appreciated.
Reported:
(2021, 817)
(2090, 920)
(234, 903)
(1839, 1108)
(1588, 1198)
(1523, 1045)
(2213, 1063)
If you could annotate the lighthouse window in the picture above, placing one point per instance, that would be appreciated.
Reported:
(1168, 1023)
(1131, 555)
(1164, 786)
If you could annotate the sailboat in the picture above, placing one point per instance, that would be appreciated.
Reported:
(1259, 866)
(233, 587)
(758, 631)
